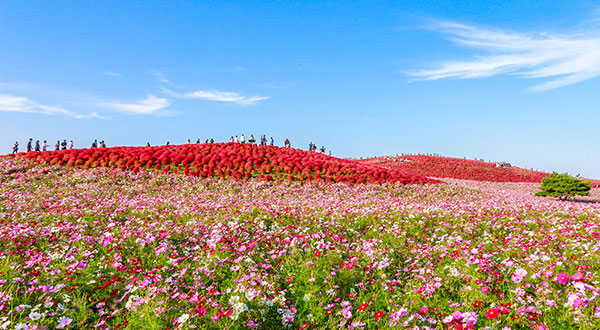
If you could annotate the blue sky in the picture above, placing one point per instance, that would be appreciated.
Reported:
(513, 81)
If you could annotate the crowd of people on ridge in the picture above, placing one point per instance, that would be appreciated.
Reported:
(313, 147)
(64, 145)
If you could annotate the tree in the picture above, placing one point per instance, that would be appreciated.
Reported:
(563, 186)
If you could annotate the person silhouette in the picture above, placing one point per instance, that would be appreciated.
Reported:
(16, 147)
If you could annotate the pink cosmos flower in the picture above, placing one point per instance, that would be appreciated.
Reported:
(63, 322)
(562, 278)
(577, 277)
(347, 312)
(578, 302)
(516, 279)
(521, 272)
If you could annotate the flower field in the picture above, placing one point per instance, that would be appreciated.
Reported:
(228, 160)
(458, 168)
(103, 248)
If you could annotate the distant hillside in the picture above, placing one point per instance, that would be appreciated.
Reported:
(229, 160)
(458, 168)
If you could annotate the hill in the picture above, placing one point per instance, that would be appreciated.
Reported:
(457, 168)
(229, 160)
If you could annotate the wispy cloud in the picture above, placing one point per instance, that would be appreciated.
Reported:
(151, 105)
(113, 74)
(279, 85)
(564, 58)
(217, 96)
(10, 103)
(160, 77)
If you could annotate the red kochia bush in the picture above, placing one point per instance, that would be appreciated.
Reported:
(231, 160)
(446, 167)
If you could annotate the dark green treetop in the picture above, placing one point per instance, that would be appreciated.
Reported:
(563, 186)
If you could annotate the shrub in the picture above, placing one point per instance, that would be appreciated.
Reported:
(563, 186)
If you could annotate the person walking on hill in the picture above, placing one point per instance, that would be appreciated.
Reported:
(95, 144)
(63, 145)
(102, 145)
(37, 145)
(231, 139)
(44, 146)
(242, 139)
(272, 141)
(29, 148)
(310, 145)
(57, 145)
(70, 145)
(16, 147)
(287, 143)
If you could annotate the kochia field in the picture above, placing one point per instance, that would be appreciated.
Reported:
(110, 248)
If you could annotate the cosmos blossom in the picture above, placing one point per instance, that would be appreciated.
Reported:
(192, 251)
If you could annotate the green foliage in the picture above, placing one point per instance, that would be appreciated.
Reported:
(563, 186)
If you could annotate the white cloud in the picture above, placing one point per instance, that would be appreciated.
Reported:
(113, 74)
(148, 106)
(10, 103)
(160, 77)
(225, 97)
(280, 85)
(565, 58)
(218, 96)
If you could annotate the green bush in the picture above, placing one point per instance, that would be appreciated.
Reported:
(563, 186)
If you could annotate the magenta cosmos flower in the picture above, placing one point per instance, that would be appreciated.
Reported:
(562, 278)
(577, 277)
